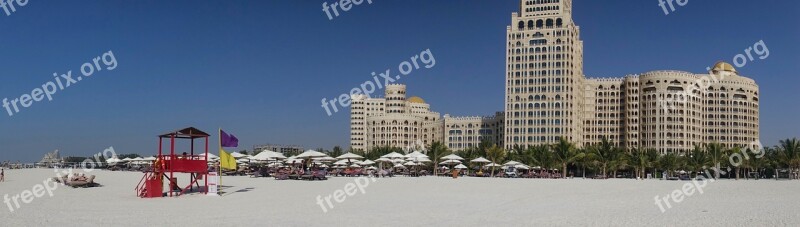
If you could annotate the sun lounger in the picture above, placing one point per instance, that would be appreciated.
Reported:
(281, 176)
(320, 175)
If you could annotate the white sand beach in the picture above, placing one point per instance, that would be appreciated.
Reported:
(406, 201)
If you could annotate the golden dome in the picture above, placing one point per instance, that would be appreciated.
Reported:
(416, 99)
(724, 66)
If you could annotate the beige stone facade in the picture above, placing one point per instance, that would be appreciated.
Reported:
(548, 97)
(392, 121)
(672, 111)
(544, 75)
(399, 122)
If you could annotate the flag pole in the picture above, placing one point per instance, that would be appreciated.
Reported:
(219, 166)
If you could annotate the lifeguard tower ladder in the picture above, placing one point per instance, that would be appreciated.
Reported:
(166, 165)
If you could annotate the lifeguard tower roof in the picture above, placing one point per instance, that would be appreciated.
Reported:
(187, 133)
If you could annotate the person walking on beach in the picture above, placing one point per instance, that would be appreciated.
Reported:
(2, 175)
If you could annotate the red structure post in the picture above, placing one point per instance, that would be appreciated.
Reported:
(152, 183)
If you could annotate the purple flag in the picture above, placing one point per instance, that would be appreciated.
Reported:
(227, 140)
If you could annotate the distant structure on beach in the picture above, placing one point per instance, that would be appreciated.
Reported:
(287, 150)
(50, 159)
(548, 97)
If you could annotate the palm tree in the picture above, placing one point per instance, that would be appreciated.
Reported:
(639, 160)
(619, 161)
(697, 160)
(603, 155)
(789, 154)
(653, 158)
(337, 151)
(496, 154)
(670, 162)
(583, 161)
(716, 155)
(541, 156)
(436, 151)
(564, 154)
(738, 152)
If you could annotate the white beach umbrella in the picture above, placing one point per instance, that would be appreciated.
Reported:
(460, 166)
(366, 163)
(323, 166)
(452, 157)
(392, 155)
(350, 156)
(399, 166)
(511, 163)
(423, 159)
(268, 155)
(372, 168)
(492, 165)
(448, 162)
(410, 163)
(151, 158)
(355, 165)
(294, 161)
(127, 159)
(210, 156)
(522, 167)
(340, 162)
(383, 160)
(237, 155)
(416, 154)
(311, 154)
(480, 160)
(325, 159)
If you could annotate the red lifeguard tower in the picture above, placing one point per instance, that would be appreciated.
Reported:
(166, 165)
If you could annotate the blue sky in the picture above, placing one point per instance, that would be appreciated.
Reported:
(258, 69)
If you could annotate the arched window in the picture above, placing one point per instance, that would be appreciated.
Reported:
(549, 23)
(559, 22)
(521, 24)
(530, 24)
(539, 23)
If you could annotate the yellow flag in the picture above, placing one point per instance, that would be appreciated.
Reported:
(226, 160)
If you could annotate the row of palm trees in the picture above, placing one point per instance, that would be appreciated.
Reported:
(607, 160)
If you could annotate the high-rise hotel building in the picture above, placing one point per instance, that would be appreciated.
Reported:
(544, 75)
(548, 97)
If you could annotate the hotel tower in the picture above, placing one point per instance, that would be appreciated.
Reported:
(544, 75)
